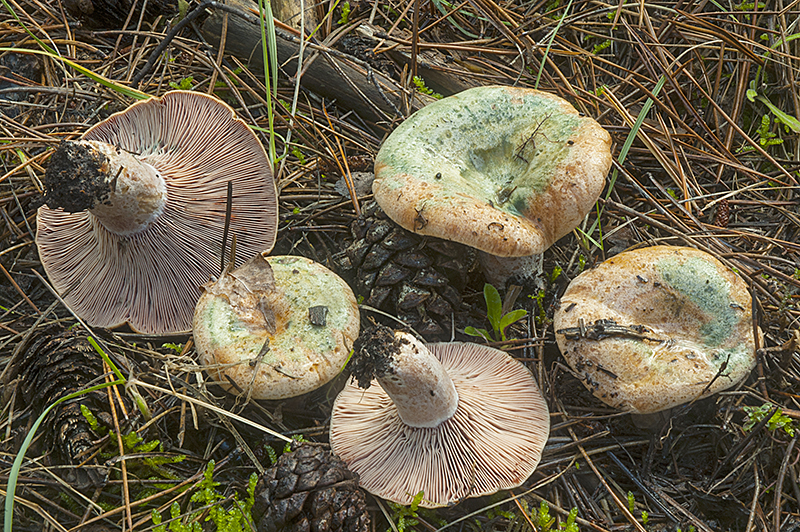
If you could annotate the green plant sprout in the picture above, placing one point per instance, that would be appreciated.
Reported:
(406, 516)
(178, 348)
(544, 520)
(498, 320)
(753, 93)
(236, 519)
(301, 158)
(345, 13)
(149, 467)
(788, 120)
(749, 6)
(600, 47)
(778, 420)
(552, 5)
(185, 84)
(424, 89)
(231, 79)
(541, 315)
(765, 136)
(632, 508)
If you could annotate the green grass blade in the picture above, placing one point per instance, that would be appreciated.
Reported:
(550, 43)
(15, 468)
(50, 52)
(29, 32)
(269, 52)
(121, 89)
(623, 152)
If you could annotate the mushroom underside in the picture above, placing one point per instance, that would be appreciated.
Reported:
(151, 279)
(492, 442)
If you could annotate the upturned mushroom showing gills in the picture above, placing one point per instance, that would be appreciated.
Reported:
(136, 210)
(657, 327)
(505, 170)
(451, 420)
(276, 327)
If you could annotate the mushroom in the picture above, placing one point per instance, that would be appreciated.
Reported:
(657, 327)
(276, 327)
(506, 170)
(136, 210)
(453, 420)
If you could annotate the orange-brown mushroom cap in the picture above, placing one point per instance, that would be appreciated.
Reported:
(657, 327)
(505, 170)
(151, 279)
(493, 441)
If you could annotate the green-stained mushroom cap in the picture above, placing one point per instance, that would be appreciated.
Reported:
(277, 327)
(657, 327)
(505, 170)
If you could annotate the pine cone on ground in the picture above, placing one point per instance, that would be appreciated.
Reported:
(56, 364)
(309, 490)
(417, 278)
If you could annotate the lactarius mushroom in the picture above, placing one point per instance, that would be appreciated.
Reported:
(657, 327)
(505, 170)
(136, 210)
(276, 327)
(452, 420)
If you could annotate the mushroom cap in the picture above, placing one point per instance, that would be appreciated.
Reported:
(505, 170)
(151, 279)
(684, 328)
(230, 329)
(493, 441)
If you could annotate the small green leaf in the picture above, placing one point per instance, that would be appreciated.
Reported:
(345, 13)
(511, 317)
(494, 306)
(789, 120)
(751, 94)
(483, 333)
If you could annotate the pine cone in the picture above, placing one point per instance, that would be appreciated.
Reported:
(417, 278)
(56, 364)
(309, 490)
(723, 213)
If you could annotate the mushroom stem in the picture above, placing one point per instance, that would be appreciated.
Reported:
(123, 192)
(498, 270)
(417, 383)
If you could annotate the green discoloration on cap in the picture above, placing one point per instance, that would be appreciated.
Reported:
(502, 169)
(285, 355)
(700, 282)
(686, 322)
(498, 142)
